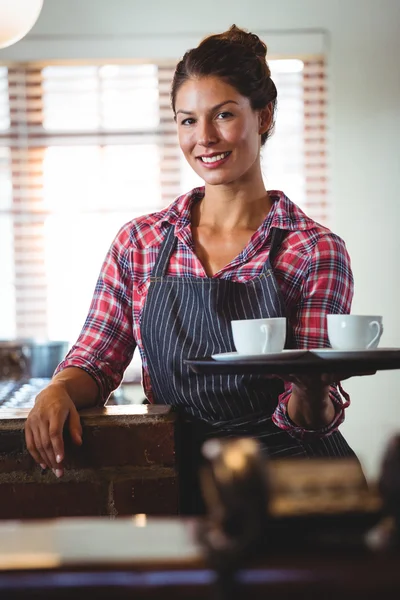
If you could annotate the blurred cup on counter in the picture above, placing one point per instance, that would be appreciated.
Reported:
(354, 332)
(259, 336)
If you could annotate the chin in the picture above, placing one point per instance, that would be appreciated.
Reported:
(218, 177)
(222, 180)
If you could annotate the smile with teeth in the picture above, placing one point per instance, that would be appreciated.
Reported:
(216, 158)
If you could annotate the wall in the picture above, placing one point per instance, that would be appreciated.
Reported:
(363, 47)
(126, 465)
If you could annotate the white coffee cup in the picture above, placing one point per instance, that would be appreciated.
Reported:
(354, 332)
(259, 336)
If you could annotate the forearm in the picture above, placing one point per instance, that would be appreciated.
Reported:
(311, 407)
(80, 386)
(327, 288)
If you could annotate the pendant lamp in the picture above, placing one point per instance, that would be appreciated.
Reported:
(17, 17)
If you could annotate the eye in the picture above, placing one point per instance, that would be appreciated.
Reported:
(188, 121)
(224, 115)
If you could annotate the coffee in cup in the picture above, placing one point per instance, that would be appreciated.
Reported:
(259, 336)
(354, 332)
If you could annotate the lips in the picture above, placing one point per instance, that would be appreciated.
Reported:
(213, 158)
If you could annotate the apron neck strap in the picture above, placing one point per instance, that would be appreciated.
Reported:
(276, 241)
(164, 254)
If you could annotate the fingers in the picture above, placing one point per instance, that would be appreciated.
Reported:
(32, 448)
(46, 448)
(309, 380)
(41, 442)
(56, 445)
(37, 438)
(44, 432)
(75, 427)
(332, 378)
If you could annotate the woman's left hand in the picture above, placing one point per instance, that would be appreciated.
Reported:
(310, 405)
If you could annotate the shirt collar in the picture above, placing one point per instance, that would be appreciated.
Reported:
(179, 212)
(284, 214)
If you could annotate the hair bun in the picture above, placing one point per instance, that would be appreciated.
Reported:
(236, 57)
(249, 40)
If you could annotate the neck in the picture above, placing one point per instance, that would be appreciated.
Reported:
(226, 208)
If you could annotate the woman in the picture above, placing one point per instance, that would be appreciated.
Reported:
(228, 250)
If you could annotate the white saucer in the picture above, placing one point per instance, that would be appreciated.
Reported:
(284, 355)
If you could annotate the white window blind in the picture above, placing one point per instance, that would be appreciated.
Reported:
(83, 149)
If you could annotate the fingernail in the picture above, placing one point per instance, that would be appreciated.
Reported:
(58, 472)
(58, 458)
(44, 467)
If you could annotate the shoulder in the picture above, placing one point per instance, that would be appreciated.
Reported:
(141, 232)
(323, 254)
(305, 236)
(318, 242)
(148, 231)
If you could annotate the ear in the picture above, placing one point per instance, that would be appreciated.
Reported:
(265, 116)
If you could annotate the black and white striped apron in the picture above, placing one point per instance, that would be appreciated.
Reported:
(190, 317)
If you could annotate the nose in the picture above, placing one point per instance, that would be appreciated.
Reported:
(207, 134)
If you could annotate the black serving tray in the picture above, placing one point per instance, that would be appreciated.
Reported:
(362, 361)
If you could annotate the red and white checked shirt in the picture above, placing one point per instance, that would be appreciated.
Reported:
(312, 269)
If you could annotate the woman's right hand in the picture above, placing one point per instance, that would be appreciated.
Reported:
(45, 424)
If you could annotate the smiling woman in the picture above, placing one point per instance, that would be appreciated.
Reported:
(173, 280)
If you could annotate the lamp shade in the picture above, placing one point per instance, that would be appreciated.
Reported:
(17, 17)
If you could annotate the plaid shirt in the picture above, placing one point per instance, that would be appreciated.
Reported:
(312, 269)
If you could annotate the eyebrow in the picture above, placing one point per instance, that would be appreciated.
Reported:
(216, 107)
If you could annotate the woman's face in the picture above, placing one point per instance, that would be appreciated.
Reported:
(219, 133)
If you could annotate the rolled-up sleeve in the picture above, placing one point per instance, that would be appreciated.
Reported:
(106, 343)
(327, 289)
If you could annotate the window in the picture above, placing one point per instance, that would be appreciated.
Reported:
(85, 148)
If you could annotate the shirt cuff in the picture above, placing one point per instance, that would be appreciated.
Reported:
(105, 383)
(340, 399)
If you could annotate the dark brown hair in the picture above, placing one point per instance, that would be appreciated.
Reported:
(239, 58)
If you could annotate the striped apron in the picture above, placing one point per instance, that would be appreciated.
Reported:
(190, 317)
